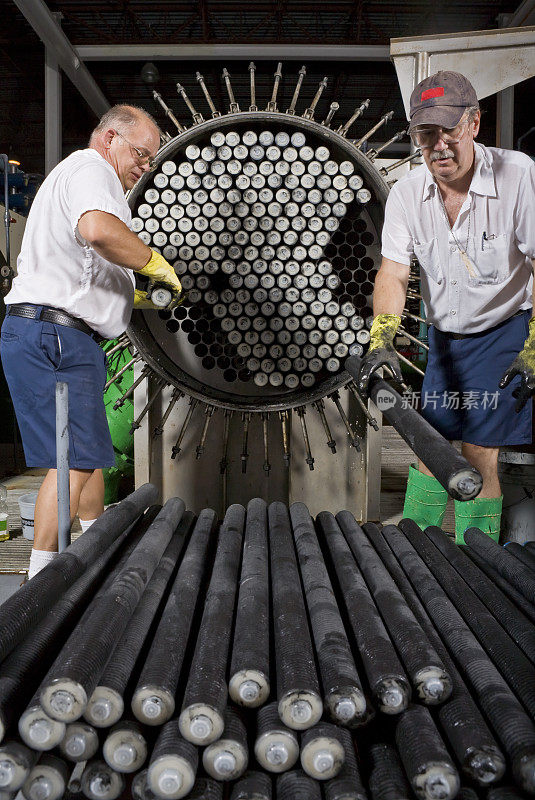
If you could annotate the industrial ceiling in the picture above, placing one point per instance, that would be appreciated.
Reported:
(219, 22)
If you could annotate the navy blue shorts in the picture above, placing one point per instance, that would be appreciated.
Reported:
(460, 394)
(35, 356)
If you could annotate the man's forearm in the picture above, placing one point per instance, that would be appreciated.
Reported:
(113, 240)
(389, 294)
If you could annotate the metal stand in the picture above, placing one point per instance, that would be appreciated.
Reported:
(62, 465)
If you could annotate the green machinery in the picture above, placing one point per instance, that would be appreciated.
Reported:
(120, 420)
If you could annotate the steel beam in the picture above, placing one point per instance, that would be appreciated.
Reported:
(44, 24)
(236, 52)
(53, 137)
(492, 60)
(524, 15)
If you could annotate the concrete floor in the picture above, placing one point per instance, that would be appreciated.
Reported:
(15, 553)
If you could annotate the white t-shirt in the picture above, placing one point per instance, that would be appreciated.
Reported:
(496, 227)
(56, 267)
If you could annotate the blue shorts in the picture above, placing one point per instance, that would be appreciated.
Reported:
(35, 356)
(460, 394)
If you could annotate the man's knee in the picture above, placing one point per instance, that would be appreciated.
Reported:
(475, 453)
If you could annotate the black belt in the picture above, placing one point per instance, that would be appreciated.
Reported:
(450, 335)
(53, 315)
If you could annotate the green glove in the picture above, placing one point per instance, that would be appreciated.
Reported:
(523, 365)
(381, 352)
(160, 271)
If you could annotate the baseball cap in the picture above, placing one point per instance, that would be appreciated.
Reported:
(441, 99)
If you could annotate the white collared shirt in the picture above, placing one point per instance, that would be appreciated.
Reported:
(56, 266)
(496, 228)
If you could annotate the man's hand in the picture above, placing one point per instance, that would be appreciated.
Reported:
(140, 300)
(523, 365)
(160, 271)
(381, 352)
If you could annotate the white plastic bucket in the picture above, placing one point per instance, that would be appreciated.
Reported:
(27, 511)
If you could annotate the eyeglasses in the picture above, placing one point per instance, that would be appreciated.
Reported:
(428, 137)
(142, 157)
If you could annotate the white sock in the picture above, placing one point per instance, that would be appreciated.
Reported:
(86, 523)
(39, 559)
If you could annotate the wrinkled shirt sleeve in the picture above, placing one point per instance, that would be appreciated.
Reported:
(92, 187)
(397, 240)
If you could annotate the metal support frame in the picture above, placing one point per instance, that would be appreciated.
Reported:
(53, 119)
(46, 27)
(493, 61)
(62, 465)
(232, 52)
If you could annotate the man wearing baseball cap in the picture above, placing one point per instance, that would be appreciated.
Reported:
(468, 215)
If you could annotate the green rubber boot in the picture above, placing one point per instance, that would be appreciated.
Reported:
(425, 499)
(484, 513)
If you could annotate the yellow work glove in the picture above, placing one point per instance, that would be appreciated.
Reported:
(140, 300)
(381, 351)
(523, 365)
(158, 270)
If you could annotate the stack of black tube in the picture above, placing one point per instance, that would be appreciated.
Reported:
(269, 656)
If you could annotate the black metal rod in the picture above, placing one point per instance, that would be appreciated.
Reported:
(387, 780)
(226, 759)
(125, 747)
(276, 746)
(75, 673)
(514, 665)
(347, 785)
(253, 784)
(16, 761)
(35, 598)
(522, 554)
(109, 693)
(342, 688)
(173, 764)
(100, 782)
(520, 576)
(48, 778)
(153, 701)
(21, 671)
(80, 742)
(36, 728)
(205, 696)
(462, 722)
(452, 471)
(513, 726)
(498, 603)
(426, 760)
(386, 676)
(206, 789)
(250, 669)
(298, 693)
(426, 670)
(322, 751)
(516, 597)
(297, 785)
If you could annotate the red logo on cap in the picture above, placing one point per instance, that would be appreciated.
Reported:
(437, 92)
